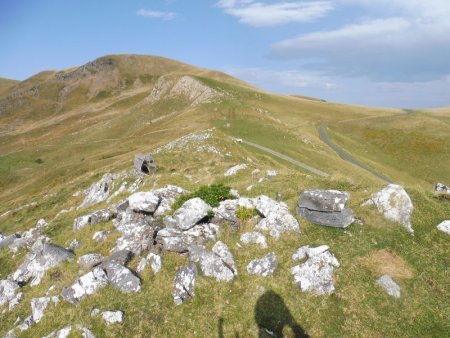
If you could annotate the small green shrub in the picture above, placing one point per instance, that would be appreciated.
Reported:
(211, 194)
(244, 214)
(39, 161)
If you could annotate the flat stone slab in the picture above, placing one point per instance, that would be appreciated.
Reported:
(332, 219)
(323, 200)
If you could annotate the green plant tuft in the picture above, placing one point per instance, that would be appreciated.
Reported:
(244, 214)
(211, 194)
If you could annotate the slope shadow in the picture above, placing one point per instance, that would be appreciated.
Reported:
(272, 315)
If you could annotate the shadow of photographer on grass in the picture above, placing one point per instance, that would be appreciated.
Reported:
(272, 316)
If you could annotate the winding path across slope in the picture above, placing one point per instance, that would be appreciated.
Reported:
(286, 158)
(346, 156)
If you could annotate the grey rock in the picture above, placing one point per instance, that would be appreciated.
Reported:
(222, 251)
(26, 324)
(121, 257)
(137, 229)
(27, 239)
(332, 219)
(144, 163)
(444, 227)
(316, 274)
(136, 238)
(146, 202)
(95, 312)
(142, 265)
(38, 306)
(218, 263)
(264, 266)
(184, 283)
(127, 219)
(171, 239)
(389, 285)
(441, 188)
(167, 195)
(155, 262)
(112, 317)
(103, 215)
(43, 256)
(85, 332)
(6, 241)
(81, 222)
(254, 238)
(325, 207)
(62, 333)
(100, 236)
(395, 205)
(234, 170)
(88, 261)
(177, 240)
(306, 251)
(277, 218)
(225, 213)
(98, 216)
(74, 245)
(122, 278)
(189, 214)
(86, 285)
(41, 223)
(15, 301)
(99, 191)
(8, 290)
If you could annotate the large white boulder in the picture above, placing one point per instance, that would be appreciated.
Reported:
(395, 204)
(190, 213)
(277, 218)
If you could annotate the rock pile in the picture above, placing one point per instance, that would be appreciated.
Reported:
(325, 207)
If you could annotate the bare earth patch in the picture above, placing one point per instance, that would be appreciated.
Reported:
(387, 262)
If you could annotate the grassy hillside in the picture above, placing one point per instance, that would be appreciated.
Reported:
(62, 130)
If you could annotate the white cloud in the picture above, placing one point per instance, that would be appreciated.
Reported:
(259, 14)
(411, 43)
(156, 14)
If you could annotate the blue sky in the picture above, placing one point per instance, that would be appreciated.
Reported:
(371, 52)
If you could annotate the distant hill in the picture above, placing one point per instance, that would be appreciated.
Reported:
(307, 97)
(6, 84)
